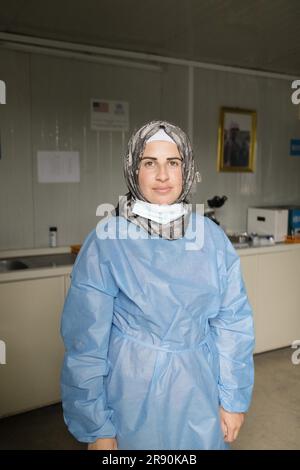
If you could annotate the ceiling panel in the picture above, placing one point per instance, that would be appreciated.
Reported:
(260, 34)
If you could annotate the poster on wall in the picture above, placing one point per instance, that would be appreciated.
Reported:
(107, 115)
(58, 167)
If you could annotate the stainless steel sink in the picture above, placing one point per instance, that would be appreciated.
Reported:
(48, 261)
(36, 262)
(7, 265)
(240, 240)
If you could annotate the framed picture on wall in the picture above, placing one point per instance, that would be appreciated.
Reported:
(236, 140)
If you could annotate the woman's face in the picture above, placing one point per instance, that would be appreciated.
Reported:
(160, 172)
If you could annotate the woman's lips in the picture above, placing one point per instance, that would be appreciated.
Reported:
(162, 190)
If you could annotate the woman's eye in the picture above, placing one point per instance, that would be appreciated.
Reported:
(175, 163)
(172, 163)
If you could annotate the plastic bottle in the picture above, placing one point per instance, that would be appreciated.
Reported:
(52, 237)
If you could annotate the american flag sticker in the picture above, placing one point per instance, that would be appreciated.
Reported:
(101, 106)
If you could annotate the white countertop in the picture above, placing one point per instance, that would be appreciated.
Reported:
(67, 249)
(259, 250)
(34, 251)
(23, 274)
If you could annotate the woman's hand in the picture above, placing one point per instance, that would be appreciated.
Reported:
(105, 443)
(231, 424)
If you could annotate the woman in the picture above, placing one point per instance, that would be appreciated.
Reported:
(157, 325)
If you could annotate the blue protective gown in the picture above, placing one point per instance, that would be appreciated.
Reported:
(157, 337)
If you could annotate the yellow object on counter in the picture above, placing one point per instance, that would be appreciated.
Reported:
(75, 249)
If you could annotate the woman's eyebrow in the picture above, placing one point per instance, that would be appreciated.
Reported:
(154, 158)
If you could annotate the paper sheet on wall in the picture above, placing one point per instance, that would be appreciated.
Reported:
(109, 115)
(58, 167)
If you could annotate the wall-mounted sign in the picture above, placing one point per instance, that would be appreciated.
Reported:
(295, 148)
(109, 115)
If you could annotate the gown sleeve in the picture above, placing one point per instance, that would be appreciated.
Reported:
(85, 329)
(233, 333)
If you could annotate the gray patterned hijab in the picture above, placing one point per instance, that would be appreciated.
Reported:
(136, 145)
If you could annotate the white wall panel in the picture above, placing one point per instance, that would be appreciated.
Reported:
(16, 198)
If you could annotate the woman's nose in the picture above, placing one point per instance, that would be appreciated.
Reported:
(162, 173)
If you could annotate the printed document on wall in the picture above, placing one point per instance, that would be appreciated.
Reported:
(58, 166)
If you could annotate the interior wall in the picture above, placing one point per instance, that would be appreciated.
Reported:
(276, 179)
(48, 108)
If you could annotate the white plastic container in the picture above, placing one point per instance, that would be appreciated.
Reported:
(268, 221)
(52, 237)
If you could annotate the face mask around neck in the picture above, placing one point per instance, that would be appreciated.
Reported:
(160, 213)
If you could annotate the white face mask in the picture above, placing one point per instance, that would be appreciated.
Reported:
(160, 213)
